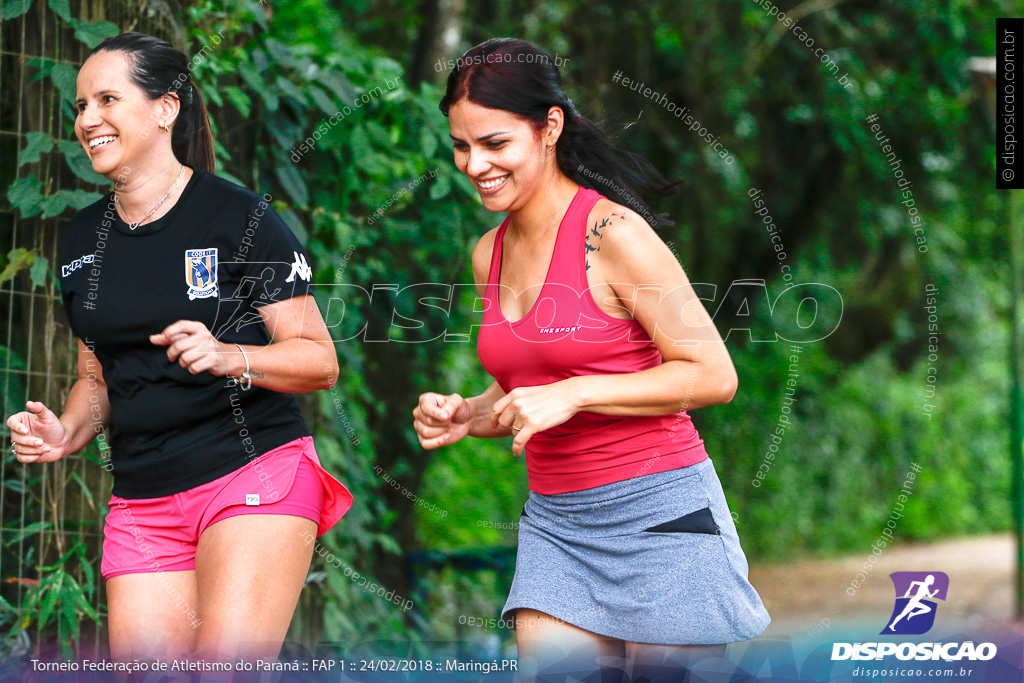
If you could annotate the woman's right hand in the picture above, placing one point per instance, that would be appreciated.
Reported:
(441, 420)
(38, 434)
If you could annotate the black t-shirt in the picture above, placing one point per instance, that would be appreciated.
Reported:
(215, 257)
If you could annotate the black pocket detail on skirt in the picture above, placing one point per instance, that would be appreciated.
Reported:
(698, 522)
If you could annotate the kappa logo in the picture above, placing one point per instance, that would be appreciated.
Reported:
(914, 612)
(300, 268)
(201, 273)
(76, 264)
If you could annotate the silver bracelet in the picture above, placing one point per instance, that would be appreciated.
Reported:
(245, 380)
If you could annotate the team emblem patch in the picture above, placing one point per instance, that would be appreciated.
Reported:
(201, 273)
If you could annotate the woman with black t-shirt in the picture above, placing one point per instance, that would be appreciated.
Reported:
(175, 285)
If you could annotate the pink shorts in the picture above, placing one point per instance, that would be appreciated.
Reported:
(160, 534)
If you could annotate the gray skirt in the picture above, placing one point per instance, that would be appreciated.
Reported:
(652, 559)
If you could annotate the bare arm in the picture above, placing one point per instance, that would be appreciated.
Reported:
(696, 370)
(441, 419)
(480, 407)
(301, 357)
(480, 422)
(642, 274)
(83, 417)
(39, 436)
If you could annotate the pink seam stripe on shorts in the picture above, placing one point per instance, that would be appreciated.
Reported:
(160, 534)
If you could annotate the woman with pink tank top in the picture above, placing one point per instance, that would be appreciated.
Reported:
(628, 556)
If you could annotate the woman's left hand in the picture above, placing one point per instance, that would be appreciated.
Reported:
(195, 348)
(534, 409)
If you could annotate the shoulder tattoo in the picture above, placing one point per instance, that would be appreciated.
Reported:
(595, 233)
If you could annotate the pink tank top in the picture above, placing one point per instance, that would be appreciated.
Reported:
(567, 334)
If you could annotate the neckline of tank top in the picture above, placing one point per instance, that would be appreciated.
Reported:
(163, 221)
(500, 239)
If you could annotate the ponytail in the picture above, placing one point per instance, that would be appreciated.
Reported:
(159, 69)
(191, 138)
(586, 156)
(519, 77)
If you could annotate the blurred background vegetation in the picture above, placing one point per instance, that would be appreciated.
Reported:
(281, 69)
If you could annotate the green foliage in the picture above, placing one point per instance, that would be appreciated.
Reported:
(796, 134)
(320, 114)
(37, 144)
(13, 395)
(20, 259)
(57, 598)
(370, 143)
(79, 163)
(25, 194)
(87, 32)
(833, 483)
(12, 9)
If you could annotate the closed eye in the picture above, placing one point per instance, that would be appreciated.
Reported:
(492, 145)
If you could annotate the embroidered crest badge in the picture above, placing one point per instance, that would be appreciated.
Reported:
(201, 273)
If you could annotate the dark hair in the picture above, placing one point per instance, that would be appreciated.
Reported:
(159, 69)
(519, 77)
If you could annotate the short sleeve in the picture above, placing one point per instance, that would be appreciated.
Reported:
(63, 266)
(277, 264)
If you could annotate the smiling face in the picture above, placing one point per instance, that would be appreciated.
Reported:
(117, 123)
(505, 157)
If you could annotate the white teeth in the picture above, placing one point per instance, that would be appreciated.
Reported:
(96, 142)
(493, 183)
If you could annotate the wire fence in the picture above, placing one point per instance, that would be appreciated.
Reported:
(51, 515)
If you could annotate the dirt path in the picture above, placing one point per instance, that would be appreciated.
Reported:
(808, 594)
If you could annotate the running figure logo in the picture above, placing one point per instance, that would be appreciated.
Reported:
(914, 612)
